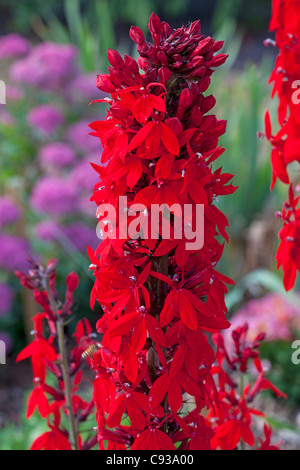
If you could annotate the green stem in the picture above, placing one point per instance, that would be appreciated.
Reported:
(65, 371)
(242, 443)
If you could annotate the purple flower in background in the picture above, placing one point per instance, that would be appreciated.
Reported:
(6, 298)
(14, 93)
(58, 60)
(85, 178)
(13, 45)
(49, 65)
(55, 196)
(78, 135)
(5, 117)
(273, 315)
(56, 156)
(27, 72)
(83, 175)
(46, 118)
(9, 212)
(87, 207)
(83, 88)
(81, 236)
(47, 231)
(14, 253)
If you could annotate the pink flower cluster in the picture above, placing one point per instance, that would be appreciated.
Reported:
(63, 148)
(273, 314)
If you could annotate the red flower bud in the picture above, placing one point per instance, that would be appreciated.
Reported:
(137, 35)
(203, 46)
(163, 59)
(165, 29)
(72, 281)
(217, 60)
(186, 98)
(164, 74)
(199, 71)
(217, 46)
(201, 86)
(105, 84)
(195, 27)
(196, 116)
(115, 59)
(208, 103)
(131, 65)
(154, 24)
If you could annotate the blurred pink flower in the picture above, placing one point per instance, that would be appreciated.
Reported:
(78, 135)
(9, 212)
(14, 253)
(83, 175)
(273, 314)
(13, 45)
(81, 236)
(85, 178)
(49, 65)
(57, 155)
(5, 117)
(48, 230)
(55, 196)
(83, 88)
(14, 93)
(46, 118)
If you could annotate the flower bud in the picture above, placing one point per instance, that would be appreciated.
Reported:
(72, 281)
(186, 98)
(207, 104)
(164, 74)
(163, 59)
(131, 65)
(115, 59)
(137, 35)
(154, 24)
(166, 30)
(105, 84)
(203, 46)
(217, 60)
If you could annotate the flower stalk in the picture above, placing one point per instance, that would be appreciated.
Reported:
(66, 378)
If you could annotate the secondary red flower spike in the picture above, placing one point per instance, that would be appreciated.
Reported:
(49, 357)
(228, 419)
(286, 142)
(232, 421)
(160, 299)
(159, 383)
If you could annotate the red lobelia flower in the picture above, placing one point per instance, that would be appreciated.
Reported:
(286, 143)
(159, 384)
(159, 297)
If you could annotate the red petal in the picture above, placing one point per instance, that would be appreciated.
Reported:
(169, 139)
(158, 390)
(117, 410)
(175, 396)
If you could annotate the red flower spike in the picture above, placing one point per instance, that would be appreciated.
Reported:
(160, 298)
(48, 355)
(232, 420)
(157, 153)
(285, 144)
